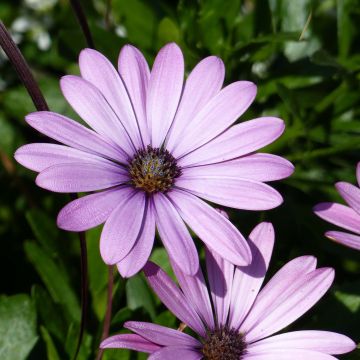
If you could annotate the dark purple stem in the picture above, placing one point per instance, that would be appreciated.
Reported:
(22, 68)
(83, 22)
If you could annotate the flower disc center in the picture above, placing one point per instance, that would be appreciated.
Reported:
(153, 170)
(224, 344)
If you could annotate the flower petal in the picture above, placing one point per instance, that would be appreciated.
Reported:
(322, 341)
(136, 259)
(277, 285)
(216, 116)
(351, 194)
(81, 177)
(248, 280)
(122, 228)
(203, 83)
(175, 236)
(300, 295)
(220, 275)
(232, 191)
(92, 107)
(339, 215)
(257, 167)
(217, 232)
(293, 354)
(344, 238)
(168, 353)
(161, 335)
(71, 133)
(129, 341)
(239, 140)
(196, 292)
(164, 91)
(98, 70)
(135, 73)
(39, 156)
(172, 297)
(358, 173)
(91, 210)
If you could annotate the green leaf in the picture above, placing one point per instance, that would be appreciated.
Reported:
(51, 351)
(168, 32)
(98, 273)
(345, 25)
(44, 229)
(50, 314)
(17, 327)
(139, 296)
(54, 279)
(71, 343)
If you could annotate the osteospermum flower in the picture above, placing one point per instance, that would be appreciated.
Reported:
(155, 147)
(347, 217)
(233, 320)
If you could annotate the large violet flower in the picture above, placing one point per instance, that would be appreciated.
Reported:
(155, 148)
(347, 217)
(233, 320)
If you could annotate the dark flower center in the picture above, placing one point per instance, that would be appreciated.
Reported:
(224, 344)
(153, 170)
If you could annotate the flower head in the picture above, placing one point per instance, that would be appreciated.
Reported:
(155, 146)
(347, 217)
(234, 320)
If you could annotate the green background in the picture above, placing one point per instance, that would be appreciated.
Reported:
(303, 55)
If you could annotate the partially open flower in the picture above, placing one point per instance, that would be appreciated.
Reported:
(347, 217)
(233, 319)
(155, 148)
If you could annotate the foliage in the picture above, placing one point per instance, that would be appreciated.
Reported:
(304, 57)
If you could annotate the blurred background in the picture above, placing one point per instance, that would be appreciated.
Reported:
(304, 55)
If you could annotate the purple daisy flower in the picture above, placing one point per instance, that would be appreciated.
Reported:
(156, 146)
(234, 320)
(347, 217)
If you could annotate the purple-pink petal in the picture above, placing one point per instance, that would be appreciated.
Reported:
(175, 236)
(216, 116)
(164, 91)
(339, 215)
(257, 167)
(196, 292)
(136, 259)
(168, 353)
(92, 107)
(276, 286)
(39, 156)
(351, 194)
(286, 354)
(248, 279)
(220, 275)
(299, 297)
(173, 298)
(217, 232)
(135, 73)
(322, 341)
(90, 210)
(122, 228)
(71, 133)
(129, 341)
(203, 83)
(98, 70)
(232, 191)
(344, 238)
(161, 335)
(239, 140)
(81, 177)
